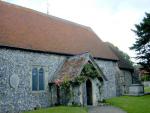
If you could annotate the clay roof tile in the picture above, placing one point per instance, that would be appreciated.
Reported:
(28, 29)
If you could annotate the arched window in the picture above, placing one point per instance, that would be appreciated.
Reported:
(41, 79)
(34, 79)
(37, 79)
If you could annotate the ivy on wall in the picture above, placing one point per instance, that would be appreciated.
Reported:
(88, 71)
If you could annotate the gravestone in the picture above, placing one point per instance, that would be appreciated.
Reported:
(136, 90)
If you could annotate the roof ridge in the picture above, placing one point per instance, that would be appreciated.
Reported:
(46, 15)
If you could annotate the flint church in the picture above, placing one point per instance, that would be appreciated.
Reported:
(37, 51)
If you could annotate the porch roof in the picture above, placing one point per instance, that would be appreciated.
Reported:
(73, 67)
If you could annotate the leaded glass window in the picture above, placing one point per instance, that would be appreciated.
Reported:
(34, 79)
(41, 79)
(37, 79)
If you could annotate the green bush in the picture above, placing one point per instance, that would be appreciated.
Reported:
(145, 77)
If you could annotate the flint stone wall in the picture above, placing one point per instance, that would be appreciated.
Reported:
(80, 93)
(111, 71)
(127, 82)
(19, 96)
(97, 89)
(13, 97)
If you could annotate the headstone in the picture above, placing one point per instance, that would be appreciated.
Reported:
(136, 90)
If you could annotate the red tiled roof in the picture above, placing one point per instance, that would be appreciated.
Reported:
(73, 67)
(28, 29)
(122, 62)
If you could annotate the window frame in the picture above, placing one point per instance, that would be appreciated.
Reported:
(44, 74)
(37, 77)
(43, 79)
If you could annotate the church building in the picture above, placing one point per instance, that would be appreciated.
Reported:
(47, 61)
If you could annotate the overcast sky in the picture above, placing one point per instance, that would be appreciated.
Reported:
(112, 20)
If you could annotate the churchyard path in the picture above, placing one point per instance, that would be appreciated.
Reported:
(105, 109)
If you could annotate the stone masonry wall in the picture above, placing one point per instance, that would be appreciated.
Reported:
(97, 91)
(127, 81)
(16, 79)
(115, 86)
(109, 69)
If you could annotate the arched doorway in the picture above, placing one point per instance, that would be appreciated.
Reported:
(89, 92)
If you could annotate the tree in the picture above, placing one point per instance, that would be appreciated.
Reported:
(142, 43)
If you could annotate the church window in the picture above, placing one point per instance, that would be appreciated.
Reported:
(37, 79)
(34, 79)
(41, 79)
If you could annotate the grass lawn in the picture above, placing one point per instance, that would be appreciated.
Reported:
(60, 109)
(147, 89)
(132, 104)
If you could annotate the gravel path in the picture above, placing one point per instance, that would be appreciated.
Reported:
(105, 109)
